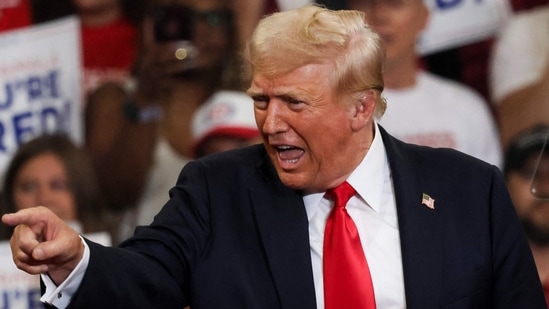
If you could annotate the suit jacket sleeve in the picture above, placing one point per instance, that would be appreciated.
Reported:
(152, 268)
(230, 236)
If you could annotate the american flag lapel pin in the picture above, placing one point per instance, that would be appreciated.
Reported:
(428, 201)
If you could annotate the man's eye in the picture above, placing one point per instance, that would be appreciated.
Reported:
(260, 101)
(260, 104)
(292, 100)
(295, 101)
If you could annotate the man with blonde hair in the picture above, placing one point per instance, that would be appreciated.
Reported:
(330, 212)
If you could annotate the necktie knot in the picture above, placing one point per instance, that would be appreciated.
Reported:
(341, 194)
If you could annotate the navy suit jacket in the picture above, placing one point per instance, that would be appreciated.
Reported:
(233, 236)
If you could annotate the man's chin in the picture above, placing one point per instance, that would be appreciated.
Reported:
(291, 180)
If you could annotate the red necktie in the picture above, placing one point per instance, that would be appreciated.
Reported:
(347, 281)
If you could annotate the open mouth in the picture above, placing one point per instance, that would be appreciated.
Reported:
(289, 154)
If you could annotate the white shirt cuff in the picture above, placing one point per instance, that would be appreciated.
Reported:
(60, 296)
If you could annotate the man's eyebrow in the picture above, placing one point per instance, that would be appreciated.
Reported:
(287, 97)
(281, 93)
(253, 92)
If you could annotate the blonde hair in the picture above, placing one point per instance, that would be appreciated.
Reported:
(285, 41)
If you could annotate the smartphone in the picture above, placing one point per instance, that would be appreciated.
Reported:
(173, 23)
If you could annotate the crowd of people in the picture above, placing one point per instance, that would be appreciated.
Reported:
(169, 84)
(424, 108)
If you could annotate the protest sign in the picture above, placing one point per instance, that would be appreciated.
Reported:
(18, 290)
(40, 85)
(455, 23)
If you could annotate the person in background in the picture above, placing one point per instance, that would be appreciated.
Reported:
(469, 63)
(109, 41)
(519, 73)
(226, 121)
(109, 35)
(423, 108)
(139, 133)
(265, 226)
(15, 14)
(249, 12)
(52, 171)
(526, 171)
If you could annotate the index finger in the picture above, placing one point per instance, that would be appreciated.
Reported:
(29, 216)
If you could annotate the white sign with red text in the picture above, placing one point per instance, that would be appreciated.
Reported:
(40, 87)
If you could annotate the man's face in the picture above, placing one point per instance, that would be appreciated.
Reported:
(206, 24)
(398, 22)
(532, 209)
(306, 127)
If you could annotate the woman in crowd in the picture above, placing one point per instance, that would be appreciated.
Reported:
(51, 171)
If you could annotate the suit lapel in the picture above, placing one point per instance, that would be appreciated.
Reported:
(283, 226)
(420, 233)
(282, 223)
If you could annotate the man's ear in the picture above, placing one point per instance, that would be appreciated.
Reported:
(364, 107)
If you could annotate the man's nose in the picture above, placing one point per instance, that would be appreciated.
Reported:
(274, 120)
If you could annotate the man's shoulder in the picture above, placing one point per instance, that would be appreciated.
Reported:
(443, 168)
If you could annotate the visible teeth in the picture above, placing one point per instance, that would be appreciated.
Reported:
(284, 147)
(291, 161)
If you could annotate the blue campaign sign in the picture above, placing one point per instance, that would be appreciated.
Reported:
(28, 298)
(40, 84)
(459, 22)
(47, 110)
(448, 4)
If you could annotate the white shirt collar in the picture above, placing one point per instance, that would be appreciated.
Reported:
(368, 176)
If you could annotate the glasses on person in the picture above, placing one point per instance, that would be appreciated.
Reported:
(539, 181)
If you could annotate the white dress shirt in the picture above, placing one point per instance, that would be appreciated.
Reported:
(373, 210)
(60, 296)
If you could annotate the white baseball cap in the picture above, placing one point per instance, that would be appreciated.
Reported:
(225, 113)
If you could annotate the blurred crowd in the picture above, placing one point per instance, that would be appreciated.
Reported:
(163, 86)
